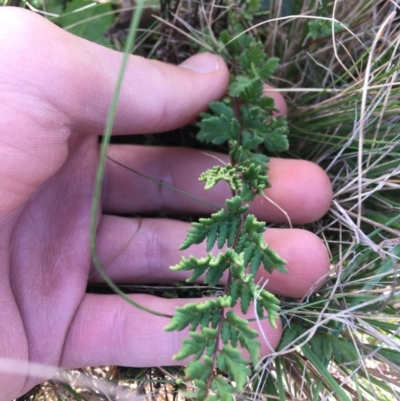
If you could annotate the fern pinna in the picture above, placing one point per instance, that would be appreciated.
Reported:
(244, 120)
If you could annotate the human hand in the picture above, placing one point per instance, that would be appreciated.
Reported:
(55, 91)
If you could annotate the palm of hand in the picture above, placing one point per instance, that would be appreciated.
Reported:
(48, 260)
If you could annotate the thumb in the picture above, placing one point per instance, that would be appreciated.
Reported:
(60, 83)
(78, 77)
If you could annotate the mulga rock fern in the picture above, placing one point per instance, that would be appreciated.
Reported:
(244, 122)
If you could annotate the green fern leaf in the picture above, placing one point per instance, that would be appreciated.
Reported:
(267, 105)
(344, 351)
(234, 338)
(191, 346)
(198, 344)
(220, 264)
(216, 270)
(255, 180)
(199, 266)
(247, 335)
(243, 122)
(226, 173)
(181, 319)
(229, 334)
(248, 89)
(245, 300)
(235, 289)
(260, 128)
(189, 314)
(254, 6)
(250, 140)
(218, 130)
(322, 346)
(268, 68)
(209, 333)
(221, 226)
(270, 303)
(222, 109)
(195, 370)
(230, 360)
(200, 394)
(256, 250)
(252, 346)
(276, 139)
(289, 335)
(216, 316)
(225, 332)
(253, 118)
(252, 58)
(216, 266)
(224, 391)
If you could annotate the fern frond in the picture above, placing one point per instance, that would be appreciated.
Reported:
(243, 122)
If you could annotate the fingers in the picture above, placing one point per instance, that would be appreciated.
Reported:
(128, 336)
(299, 188)
(78, 78)
(48, 91)
(142, 250)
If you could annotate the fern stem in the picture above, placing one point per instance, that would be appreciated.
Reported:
(217, 341)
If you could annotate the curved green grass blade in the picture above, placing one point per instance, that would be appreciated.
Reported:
(102, 162)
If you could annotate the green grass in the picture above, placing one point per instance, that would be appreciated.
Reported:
(342, 89)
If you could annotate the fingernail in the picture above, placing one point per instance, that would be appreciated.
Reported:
(202, 62)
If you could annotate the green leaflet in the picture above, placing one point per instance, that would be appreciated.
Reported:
(276, 140)
(193, 313)
(218, 130)
(195, 370)
(230, 360)
(226, 173)
(245, 88)
(262, 129)
(270, 303)
(255, 249)
(221, 226)
(222, 109)
(216, 266)
(255, 180)
(254, 6)
(320, 28)
(224, 391)
(254, 63)
(247, 180)
(245, 334)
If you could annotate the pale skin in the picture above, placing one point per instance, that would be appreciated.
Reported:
(55, 90)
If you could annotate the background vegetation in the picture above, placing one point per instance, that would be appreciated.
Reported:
(339, 73)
